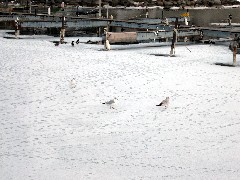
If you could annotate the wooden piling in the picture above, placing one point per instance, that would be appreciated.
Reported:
(62, 32)
(17, 28)
(234, 55)
(174, 39)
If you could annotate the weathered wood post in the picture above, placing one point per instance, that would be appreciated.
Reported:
(6, 3)
(30, 6)
(99, 16)
(100, 8)
(17, 28)
(49, 10)
(234, 55)
(235, 45)
(229, 19)
(174, 39)
(62, 32)
(146, 11)
(107, 11)
(106, 42)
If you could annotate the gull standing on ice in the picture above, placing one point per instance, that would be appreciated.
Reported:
(164, 103)
(73, 83)
(111, 102)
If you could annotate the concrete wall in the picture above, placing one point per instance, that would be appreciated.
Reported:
(199, 17)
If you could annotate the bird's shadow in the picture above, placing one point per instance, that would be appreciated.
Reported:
(226, 64)
(164, 55)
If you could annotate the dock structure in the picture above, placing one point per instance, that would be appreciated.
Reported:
(48, 21)
(158, 27)
(139, 36)
(220, 32)
(148, 28)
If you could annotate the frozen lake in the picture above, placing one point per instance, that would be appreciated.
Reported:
(50, 131)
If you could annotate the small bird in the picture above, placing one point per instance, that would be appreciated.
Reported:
(164, 102)
(72, 83)
(77, 41)
(72, 43)
(111, 103)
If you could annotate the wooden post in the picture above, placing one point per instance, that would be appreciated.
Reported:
(229, 19)
(30, 6)
(62, 32)
(49, 11)
(107, 10)
(100, 8)
(105, 34)
(235, 46)
(234, 55)
(17, 28)
(6, 3)
(146, 12)
(99, 16)
(174, 39)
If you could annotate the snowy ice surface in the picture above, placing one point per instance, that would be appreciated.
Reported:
(49, 131)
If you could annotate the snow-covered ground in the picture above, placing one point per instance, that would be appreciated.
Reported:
(49, 131)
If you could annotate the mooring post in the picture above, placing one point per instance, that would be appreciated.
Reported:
(234, 55)
(105, 35)
(30, 6)
(106, 42)
(99, 16)
(100, 8)
(235, 45)
(174, 39)
(49, 10)
(107, 10)
(62, 32)
(229, 19)
(146, 11)
(17, 28)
